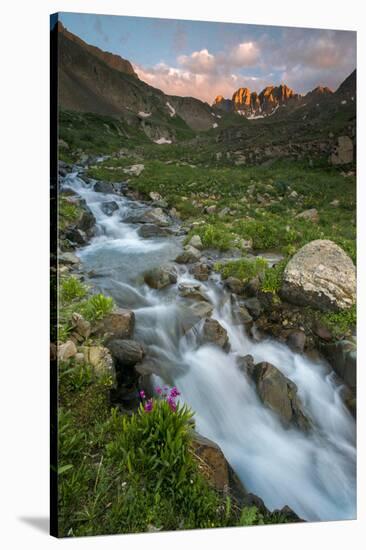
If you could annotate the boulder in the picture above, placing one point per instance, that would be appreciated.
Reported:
(311, 215)
(81, 327)
(254, 307)
(75, 235)
(196, 242)
(109, 207)
(189, 255)
(343, 153)
(120, 323)
(100, 359)
(66, 350)
(160, 277)
(154, 216)
(342, 356)
(150, 230)
(320, 275)
(241, 315)
(296, 340)
(103, 187)
(134, 170)
(155, 196)
(212, 462)
(234, 284)
(126, 352)
(193, 291)
(279, 394)
(200, 271)
(87, 220)
(224, 212)
(245, 364)
(210, 209)
(68, 258)
(214, 333)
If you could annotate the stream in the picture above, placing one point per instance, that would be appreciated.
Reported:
(313, 473)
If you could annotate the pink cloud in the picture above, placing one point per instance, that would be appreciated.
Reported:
(244, 55)
(205, 86)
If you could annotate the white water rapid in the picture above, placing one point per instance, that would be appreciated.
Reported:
(315, 473)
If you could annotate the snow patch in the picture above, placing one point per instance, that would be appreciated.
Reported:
(344, 102)
(218, 116)
(215, 125)
(162, 141)
(144, 115)
(172, 110)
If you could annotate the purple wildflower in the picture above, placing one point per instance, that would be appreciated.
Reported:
(172, 404)
(148, 406)
(174, 392)
(142, 394)
(158, 390)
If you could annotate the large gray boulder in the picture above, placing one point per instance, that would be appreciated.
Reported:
(120, 323)
(160, 277)
(150, 231)
(343, 153)
(342, 356)
(126, 352)
(189, 255)
(320, 275)
(214, 333)
(279, 394)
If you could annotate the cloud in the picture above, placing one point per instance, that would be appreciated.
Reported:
(206, 86)
(201, 62)
(245, 54)
(300, 58)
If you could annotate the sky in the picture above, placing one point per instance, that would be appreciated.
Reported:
(205, 59)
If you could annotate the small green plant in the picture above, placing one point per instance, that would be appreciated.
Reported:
(272, 279)
(340, 322)
(251, 516)
(215, 236)
(243, 269)
(72, 289)
(97, 307)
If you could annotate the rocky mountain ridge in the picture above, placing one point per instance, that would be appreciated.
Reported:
(259, 105)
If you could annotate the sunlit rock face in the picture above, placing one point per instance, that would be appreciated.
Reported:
(252, 104)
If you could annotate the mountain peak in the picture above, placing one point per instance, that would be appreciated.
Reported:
(252, 104)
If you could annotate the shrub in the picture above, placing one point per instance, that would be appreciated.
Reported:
(97, 307)
(272, 279)
(340, 322)
(244, 269)
(71, 289)
(215, 236)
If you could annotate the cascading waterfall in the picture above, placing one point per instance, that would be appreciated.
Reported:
(315, 473)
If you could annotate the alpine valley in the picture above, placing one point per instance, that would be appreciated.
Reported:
(206, 339)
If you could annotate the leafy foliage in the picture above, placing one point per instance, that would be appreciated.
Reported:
(272, 279)
(243, 269)
(340, 322)
(96, 307)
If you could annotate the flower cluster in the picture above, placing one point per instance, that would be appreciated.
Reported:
(170, 397)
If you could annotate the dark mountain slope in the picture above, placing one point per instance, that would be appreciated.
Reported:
(99, 82)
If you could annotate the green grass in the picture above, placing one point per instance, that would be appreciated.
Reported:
(243, 269)
(68, 213)
(340, 323)
(273, 276)
(214, 236)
